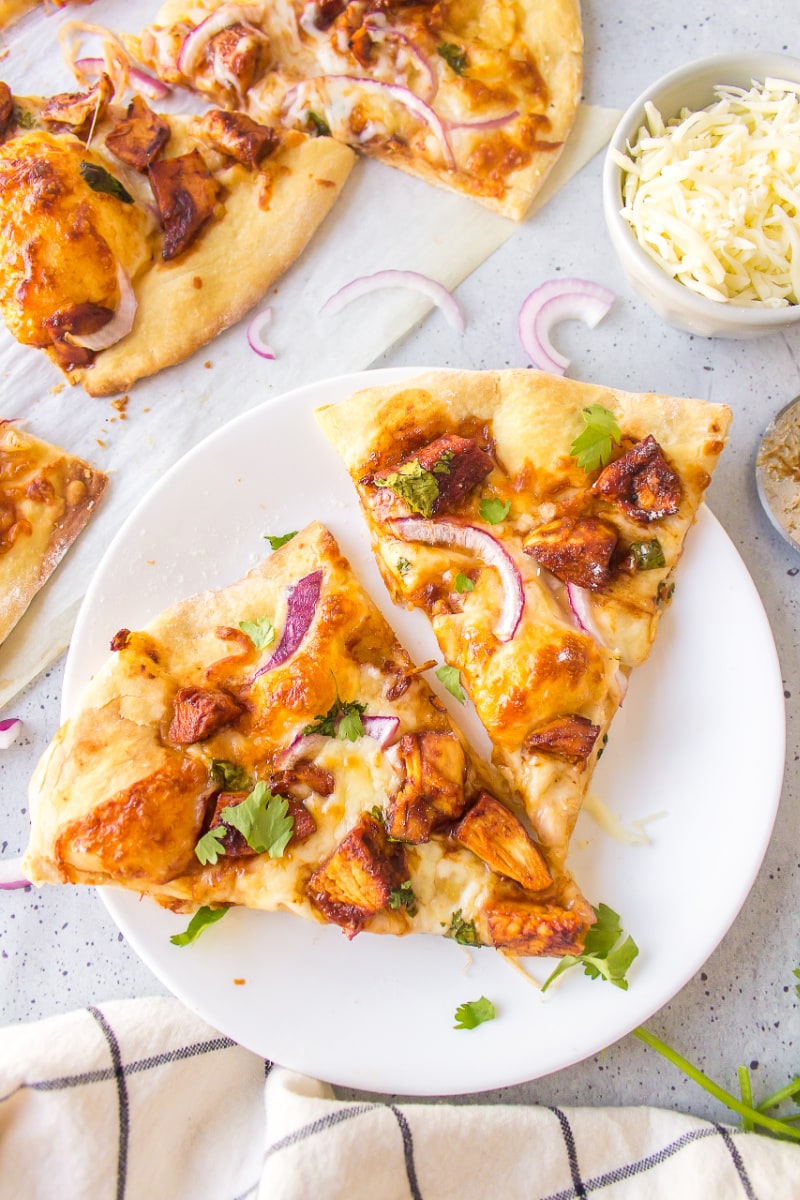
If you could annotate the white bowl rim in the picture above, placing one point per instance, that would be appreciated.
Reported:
(700, 307)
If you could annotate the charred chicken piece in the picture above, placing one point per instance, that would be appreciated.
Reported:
(6, 107)
(571, 738)
(432, 789)
(459, 465)
(239, 56)
(575, 549)
(186, 193)
(303, 775)
(497, 837)
(524, 927)
(235, 845)
(236, 135)
(140, 138)
(358, 878)
(199, 712)
(642, 482)
(81, 320)
(79, 110)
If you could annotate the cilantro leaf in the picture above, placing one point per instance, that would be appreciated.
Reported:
(229, 776)
(648, 556)
(604, 955)
(209, 848)
(263, 820)
(403, 566)
(342, 720)
(594, 446)
(454, 56)
(796, 974)
(474, 1013)
(278, 540)
(261, 632)
(494, 510)
(415, 485)
(200, 921)
(318, 124)
(464, 583)
(100, 180)
(461, 931)
(23, 118)
(403, 897)
(451, 678)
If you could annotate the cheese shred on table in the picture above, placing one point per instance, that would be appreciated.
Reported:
(714, 196)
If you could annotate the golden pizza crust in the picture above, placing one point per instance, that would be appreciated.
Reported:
(46, 498)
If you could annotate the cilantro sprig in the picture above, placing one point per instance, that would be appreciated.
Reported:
(229, 776)
(607, 952)
(474, 1013)
(414, 484)
(210, 847)
(494, 510)
(454, 56)
(594, 446)
(261, 632)
(403, 897)
(200, 921)
(463, 583)
(462, 931)
(342, 720)
(451, 678)
(263, 820)
(279, 539)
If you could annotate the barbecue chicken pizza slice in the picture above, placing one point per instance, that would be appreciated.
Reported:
(537, 522)
(476, 97)
(130, 239)
(272, 745)
(46, 498)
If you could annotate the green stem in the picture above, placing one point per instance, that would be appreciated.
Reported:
(677, 1060)
(777, 1098)
(746, 1088)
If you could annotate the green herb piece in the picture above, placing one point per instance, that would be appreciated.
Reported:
(464, 583)
(403, 897)
(229, 776)
(209, 848)
(493, 510)
(319, 125)
(796, 974)
(451, 678)
(605, 955)
(403, 566)
(200, 921)
(454, 56)
(278, 540)
(461, 931)
(263, 820)
(442, 464)
(665, 591)
(474, 1013)
(99, 180)
(261, 632)
(602, 747)
(648, 555)
(342, 720)
(594, 446)
(23, 118)
(415, 485)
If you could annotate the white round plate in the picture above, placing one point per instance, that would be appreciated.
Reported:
(377, 1013)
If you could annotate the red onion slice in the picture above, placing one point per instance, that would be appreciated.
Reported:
(485, 125)
(120, 324)
(435, 291)
(254, 334)
(581, 604)
(382, 729)
(305, 745)
(156, 89)
(9, 731)
(11, 876)
(380, 31)
(558, 300)
(302, 601)
(488, 549)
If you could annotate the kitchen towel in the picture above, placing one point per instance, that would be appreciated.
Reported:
(142, 1100)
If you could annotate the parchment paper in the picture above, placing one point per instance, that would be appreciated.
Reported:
(383, 219)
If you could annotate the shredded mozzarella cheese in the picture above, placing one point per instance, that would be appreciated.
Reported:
(714, 196)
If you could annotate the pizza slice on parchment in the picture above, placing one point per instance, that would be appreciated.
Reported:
(272, 745)
(46, 498)
(475, 97)
(537, 522)
(130, 238)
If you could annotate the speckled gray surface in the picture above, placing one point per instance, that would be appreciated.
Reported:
(59, 949)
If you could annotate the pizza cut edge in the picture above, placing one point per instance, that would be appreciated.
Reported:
(393, 825)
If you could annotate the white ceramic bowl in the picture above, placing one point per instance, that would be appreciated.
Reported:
(690, 87)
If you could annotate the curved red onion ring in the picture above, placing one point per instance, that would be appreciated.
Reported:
(581, 604)
(156, 89)
(489, 123)
(488, 549)
(195, 42)
(120, 324)
(9, 729)
(254, 339)
(382, 729)
(302, 600)
(304, 745)
(435, 291)
(558, 300)
(11, 874)
(423, 64)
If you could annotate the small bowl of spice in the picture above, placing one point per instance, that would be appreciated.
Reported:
(701, 194)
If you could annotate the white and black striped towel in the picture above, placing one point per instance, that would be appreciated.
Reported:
(141, 1100)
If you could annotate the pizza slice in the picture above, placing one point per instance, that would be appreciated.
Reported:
(130, 239)
(13, 10)
(46, 498)
(478, 98)
(272, 745)
(544, 579)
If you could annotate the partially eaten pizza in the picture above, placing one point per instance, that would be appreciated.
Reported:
(130, 238)
(46, 498)
(537, 521)
(272, 745)
(473, 96)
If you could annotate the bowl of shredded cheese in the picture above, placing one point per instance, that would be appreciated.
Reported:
(701, 194)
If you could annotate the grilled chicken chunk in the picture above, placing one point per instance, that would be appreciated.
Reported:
(571, 737)
(358, 878)
(524, 927)
(140, 138)
(492, 832)
(575, 549)
(199, 712)
(432, 789)
(642, 482)
(186, 193)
